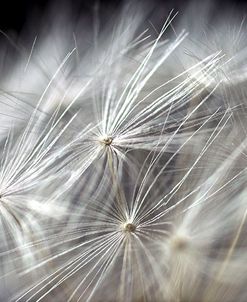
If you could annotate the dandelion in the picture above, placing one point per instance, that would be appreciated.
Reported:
(130, 120)
(116, 242)
(122, 166)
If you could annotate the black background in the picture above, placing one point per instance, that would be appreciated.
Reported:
(15, 14)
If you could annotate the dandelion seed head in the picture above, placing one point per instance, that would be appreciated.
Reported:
(125, 190)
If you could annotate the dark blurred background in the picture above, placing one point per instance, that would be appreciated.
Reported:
(14, 14)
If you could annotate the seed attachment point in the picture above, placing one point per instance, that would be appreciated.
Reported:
(106, 140)
(180, 243)
(129, 227)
